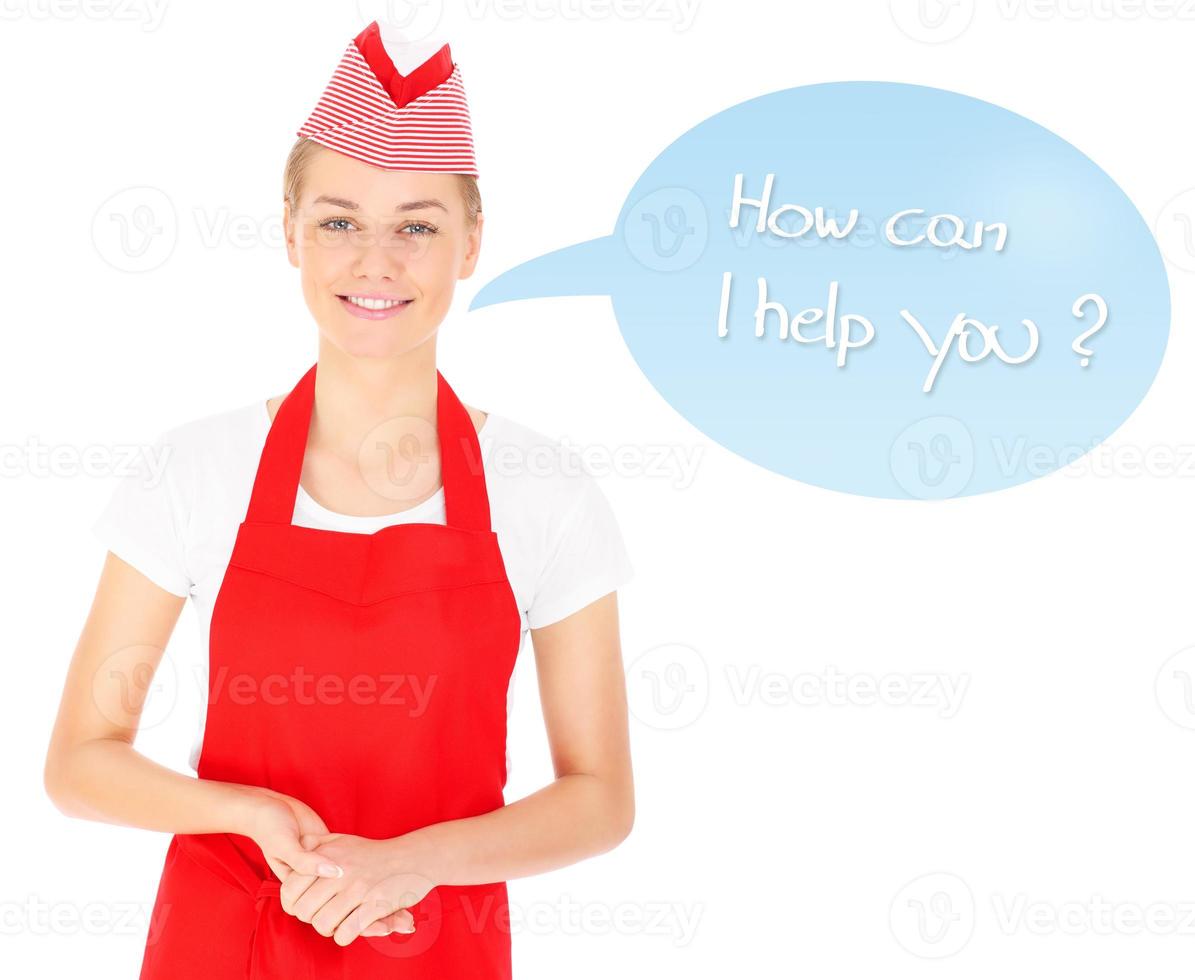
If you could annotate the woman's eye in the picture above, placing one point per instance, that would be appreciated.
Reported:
(419, 229)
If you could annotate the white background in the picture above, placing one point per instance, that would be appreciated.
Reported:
(776, 836)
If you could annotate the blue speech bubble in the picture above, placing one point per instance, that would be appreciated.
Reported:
(883, 289)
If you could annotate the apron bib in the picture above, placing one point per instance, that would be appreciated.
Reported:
(366, 675)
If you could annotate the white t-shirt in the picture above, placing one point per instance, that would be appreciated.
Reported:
(175, 517)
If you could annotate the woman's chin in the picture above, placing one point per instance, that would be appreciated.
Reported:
(375, 340)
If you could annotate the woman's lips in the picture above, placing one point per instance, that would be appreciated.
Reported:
(367, 314)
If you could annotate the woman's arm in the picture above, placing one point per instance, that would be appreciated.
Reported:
(589, 808)
(93, 771)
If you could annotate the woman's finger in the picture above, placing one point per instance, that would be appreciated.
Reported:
(400, 921)
(293, 889)
(281, 870)
(312, 863)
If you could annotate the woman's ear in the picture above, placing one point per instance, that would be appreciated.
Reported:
(472, 249)
(288, 228)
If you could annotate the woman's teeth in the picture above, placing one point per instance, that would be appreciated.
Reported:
(374, 304)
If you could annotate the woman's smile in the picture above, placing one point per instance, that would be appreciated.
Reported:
(370, 306)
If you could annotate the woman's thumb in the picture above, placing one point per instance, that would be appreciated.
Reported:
(313, 863)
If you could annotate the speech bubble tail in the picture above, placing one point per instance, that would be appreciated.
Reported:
(583, 269)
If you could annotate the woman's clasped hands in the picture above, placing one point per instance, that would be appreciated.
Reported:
(345, 886)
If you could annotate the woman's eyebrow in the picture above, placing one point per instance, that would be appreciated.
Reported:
(348, 205)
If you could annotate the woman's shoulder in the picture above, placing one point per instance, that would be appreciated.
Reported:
(198, 444)
(506, 439)
(536, 469)
(558, 527)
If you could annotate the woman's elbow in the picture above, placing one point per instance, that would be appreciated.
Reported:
(56, 783)
(620, 819)
(60, 782)
(626, 823)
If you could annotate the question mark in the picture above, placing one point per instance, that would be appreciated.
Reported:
(1102, 318)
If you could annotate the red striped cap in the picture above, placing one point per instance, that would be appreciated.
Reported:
(372, 112)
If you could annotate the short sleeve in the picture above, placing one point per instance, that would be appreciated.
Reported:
(586, 557)
(144, 521)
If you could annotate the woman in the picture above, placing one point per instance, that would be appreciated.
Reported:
(348, 817)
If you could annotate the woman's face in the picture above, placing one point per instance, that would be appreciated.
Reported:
(364, 239)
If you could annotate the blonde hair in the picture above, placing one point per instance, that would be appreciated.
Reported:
(304, 149)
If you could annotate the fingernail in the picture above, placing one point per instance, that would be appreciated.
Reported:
(331, 870)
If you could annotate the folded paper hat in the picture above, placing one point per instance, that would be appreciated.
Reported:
(413, 119)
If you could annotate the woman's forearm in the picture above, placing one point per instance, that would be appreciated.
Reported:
(110, 781)
(574, 817)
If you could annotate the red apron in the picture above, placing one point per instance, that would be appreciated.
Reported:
(366, 675)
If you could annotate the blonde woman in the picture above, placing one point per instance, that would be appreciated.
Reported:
(364, 572)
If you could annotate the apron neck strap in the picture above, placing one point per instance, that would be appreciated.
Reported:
(276, 485)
